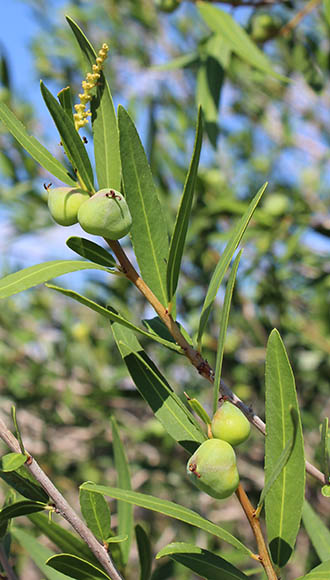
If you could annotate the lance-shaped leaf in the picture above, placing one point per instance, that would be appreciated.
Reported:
(112, 315)
(12, 461)
(282, 460)
(96, 513)
(76, 567)
(39, 153)
(321, 572)
(65, 98)
(24, 483)
(125, 511)
(104, 122)
(182, 219)
(202, 562)
(237, 39)
(156, 391)
(171, 509)
(38, 553)
(210, 78)
(223, 330)
(317, 532)
(65, 540)
(284, 501)
(21, 508)
(225, 260)
(145, 553)
(71, 140)
(91, 251)
(149, 231)
(40, 273)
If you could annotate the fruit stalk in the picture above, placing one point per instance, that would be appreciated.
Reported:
(254, 522)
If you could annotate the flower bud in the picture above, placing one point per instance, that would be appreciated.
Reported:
(213, 469)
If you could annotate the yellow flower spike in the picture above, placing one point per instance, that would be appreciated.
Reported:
(81, 115)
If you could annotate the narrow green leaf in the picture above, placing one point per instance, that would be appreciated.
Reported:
(317, 531)
(65, 540)
(65, 98)
(182, 219)
(145, 553)
(325, 442)
(210, 78)
(17, 429)
(321, 572)
(21, 508)
(237, 39)
(326, 8)
(38, 553)
(199, 410)
(116, 539)
(285, 499)
(39, 153)
(96, 513)
(104, 122)
(171, 509)
(91, 251)
(153, 387)
(34, 275)
(149, 231)
(202, 562)
(223, 330)
(112, 315)
(179, 62)
(75, 567)
(12, 461)
(125, 511)
(24, 484)
(282, 460)
(225, 260)
(71, 140)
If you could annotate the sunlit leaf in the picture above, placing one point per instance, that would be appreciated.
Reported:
(40, 273)
(96, 513)
(182, 219)
(33, 147)
(71, 140)
(149, 230)
(170, 509)
(284, 501)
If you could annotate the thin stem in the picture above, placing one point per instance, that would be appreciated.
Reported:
(254, 522)
(192, 354)
(10, 574)
(242, 3)
(62, 507)
(293, 23)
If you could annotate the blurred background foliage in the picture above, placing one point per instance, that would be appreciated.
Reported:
(59, 364)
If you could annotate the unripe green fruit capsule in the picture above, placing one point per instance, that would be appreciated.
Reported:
(230, 424)
(64, 203)
(106, 214)
(212, 468)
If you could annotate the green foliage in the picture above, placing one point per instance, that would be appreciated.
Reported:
(65, 370)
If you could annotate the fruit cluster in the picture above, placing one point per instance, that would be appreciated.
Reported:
(104, 214)
(213, 465)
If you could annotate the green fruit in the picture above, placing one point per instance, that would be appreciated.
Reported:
(213, 468)
(229, 424)
(64, 203)
(167, 5)
(106, 214)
